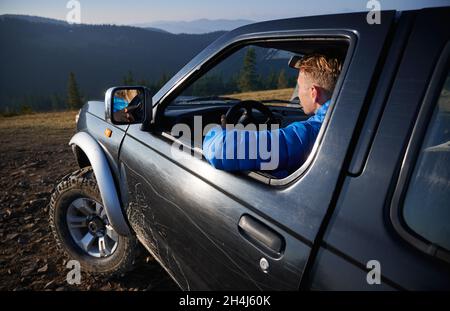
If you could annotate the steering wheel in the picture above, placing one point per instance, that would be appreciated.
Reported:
(236, 116)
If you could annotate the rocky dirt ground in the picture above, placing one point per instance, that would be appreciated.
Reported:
(34, 156)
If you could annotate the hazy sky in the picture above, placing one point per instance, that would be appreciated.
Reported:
(134, 11)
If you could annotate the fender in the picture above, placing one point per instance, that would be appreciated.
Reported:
(105, 180)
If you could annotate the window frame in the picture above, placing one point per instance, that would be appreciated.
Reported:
(409, 161)
(245, 40)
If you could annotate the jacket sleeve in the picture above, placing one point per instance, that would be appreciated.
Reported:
(234, 150)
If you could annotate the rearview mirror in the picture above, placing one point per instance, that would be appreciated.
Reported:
(126, 104)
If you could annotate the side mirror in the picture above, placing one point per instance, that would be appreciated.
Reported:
(128, 105)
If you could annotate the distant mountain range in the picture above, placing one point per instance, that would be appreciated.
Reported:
(37, 54)
(197, 26)
(33, 19)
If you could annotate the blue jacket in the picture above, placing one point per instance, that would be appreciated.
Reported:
(295, 143)
(119, 104)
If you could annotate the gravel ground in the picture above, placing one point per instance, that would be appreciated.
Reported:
(34, 157)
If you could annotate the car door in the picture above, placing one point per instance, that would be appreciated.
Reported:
(393, 207)
(216, 230)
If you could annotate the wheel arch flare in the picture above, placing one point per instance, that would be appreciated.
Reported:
(93, 152)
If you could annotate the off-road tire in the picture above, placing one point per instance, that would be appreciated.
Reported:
(82, 184)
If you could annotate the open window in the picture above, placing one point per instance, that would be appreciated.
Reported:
(257, 71)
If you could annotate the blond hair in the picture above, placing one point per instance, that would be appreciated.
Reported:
(127, 94)
(321, 70)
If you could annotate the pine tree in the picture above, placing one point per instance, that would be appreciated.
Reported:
(56, 102)
(231, 86)
(163, 80)
(128, 79)
(271, 81)
(247, 78)
(26, 109)
(73, 95)
(282, 80)
(144, 82)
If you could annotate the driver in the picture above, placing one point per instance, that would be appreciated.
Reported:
(316, 80)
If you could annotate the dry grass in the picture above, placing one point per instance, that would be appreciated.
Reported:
(47, 120)
(66, 119)
(37, 131)
(284, 94)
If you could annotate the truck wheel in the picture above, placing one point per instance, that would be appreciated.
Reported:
(82, 230)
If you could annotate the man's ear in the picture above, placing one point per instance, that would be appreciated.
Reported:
(315, 93)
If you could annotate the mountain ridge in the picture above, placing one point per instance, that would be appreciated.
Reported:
(197, 26)
(39, 56)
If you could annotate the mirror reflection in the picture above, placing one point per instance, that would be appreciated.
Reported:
(128, 105)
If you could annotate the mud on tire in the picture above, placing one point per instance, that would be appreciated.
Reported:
(82, 184)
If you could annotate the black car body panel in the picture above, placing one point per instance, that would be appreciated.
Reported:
(320, 224)
(357, 220)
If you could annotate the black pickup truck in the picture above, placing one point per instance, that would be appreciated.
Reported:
(368, 210)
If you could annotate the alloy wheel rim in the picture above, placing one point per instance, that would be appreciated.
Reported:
(90, 228)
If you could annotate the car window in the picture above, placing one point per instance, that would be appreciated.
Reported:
(426, 207)
(260, 75)
(253, 72)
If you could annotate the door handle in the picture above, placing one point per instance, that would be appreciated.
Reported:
(260, 234)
